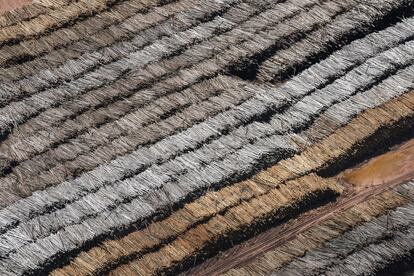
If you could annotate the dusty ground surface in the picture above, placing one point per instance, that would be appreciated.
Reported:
(8, 5)
(394, 166)
(371, 178)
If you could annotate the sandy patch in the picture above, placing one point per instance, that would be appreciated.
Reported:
(8, 5)
(394, 166)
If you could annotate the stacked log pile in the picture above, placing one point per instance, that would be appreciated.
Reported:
(143, 137)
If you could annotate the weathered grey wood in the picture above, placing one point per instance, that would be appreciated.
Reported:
(363, 249)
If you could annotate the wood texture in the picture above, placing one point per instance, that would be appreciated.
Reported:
(144, 137)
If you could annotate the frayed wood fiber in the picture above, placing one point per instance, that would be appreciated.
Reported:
(30, 11)
(62, 236)
(13, 12)
(25, 13)
(117, 25)
(371, 245)
(94, 99)
(320, 39)
(218, 101)
(254, 132)
(136, 155)
(141, 137)
(205, 209)
(166, 46)
(321, 234)
(52, 3)
(65, 150)
(223, 196)
(120, 24)
(53, 20)
(168, 80)
(116, 33)
(237, 217)
(122, 32)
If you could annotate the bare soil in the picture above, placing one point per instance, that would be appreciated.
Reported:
(394, 166)
(8, 5)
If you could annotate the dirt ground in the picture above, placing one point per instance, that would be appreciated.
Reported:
(394, 166)
(7, 5)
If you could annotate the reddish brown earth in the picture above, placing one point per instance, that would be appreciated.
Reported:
(372, 178)
(8, 5)
(394, 166)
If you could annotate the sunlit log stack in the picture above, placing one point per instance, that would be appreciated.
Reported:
(144, 137)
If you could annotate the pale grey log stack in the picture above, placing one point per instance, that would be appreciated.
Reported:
(112, 121)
